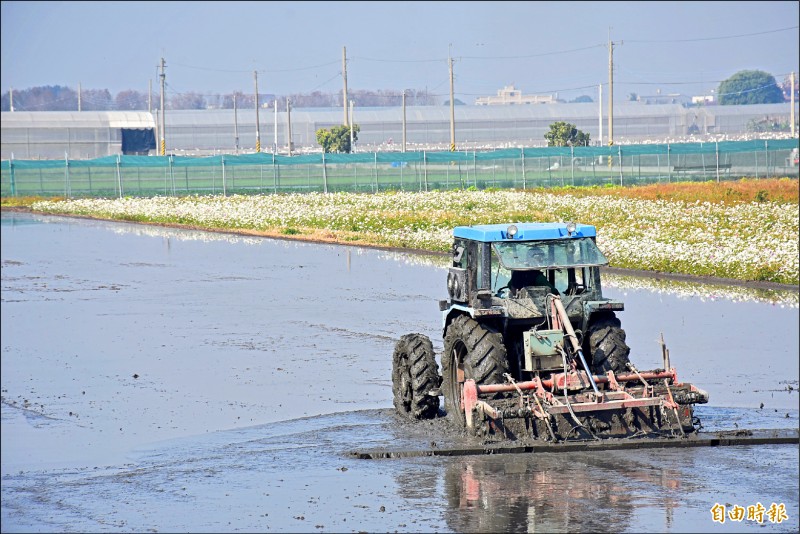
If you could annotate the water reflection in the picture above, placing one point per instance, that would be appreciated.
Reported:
(557, 493)
(710, 292)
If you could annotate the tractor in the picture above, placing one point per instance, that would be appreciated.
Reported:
(532, 349)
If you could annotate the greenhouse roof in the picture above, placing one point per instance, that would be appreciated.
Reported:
(77, 119)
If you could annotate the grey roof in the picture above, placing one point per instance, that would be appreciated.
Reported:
(422, 113)
(77, 119)
(212, 117)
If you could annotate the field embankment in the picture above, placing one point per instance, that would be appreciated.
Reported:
(746, 230)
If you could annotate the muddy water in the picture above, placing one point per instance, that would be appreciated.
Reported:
(168, 380)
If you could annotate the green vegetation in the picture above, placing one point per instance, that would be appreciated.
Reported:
(565, 134)
(749, 87)
(337, 139)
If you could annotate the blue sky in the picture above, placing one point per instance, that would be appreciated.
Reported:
(540, 47)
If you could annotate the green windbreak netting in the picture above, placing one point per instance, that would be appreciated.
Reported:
(421, 170)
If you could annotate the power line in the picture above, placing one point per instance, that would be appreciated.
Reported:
(264, 71)
(711, 38)
(747, 90)
(384, 60)
(536, 55)
(337, 75)
(398, 60)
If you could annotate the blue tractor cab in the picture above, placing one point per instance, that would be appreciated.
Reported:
(506, 271)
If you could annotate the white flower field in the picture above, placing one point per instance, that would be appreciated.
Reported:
(745, 241)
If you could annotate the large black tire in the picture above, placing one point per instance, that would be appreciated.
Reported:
(471, 351)
(605, 344)
(414, 374)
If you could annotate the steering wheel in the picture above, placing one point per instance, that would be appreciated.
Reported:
(576, 289)
(499, 292)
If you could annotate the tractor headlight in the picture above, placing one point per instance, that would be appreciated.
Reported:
(571, 227)
(512, 231)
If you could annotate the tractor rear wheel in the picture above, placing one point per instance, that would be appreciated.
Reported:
(414, 374)
(471, 351)
(605, 344)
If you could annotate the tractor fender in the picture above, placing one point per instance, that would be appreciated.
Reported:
(590, 307)
(453, 311)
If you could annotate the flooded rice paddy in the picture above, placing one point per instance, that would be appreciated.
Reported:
(168, 380)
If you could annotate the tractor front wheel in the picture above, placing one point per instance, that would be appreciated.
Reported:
(471, 351)
(414, 374)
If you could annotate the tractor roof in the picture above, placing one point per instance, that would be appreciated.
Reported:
(488, 233)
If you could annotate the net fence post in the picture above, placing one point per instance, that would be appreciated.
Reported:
(669, 166)
(11, 176)
(224, 185)
(324, 174)
(119, 178)
(716, 153)
(524, 183)
(172, 174)
(67, 186)
(572, 163)
(425, 169)
(755, 156)
(474, 169)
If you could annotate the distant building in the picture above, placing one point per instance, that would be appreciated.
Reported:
(704, 99)
(91, 134)
(508, 96)
(669, 98)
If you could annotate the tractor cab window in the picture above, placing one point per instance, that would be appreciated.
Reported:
(570, 265)
(460, 254)
(574, 281)
(549, 254)
(501, 275)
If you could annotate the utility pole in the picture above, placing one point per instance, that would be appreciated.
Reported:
(404, 120)
(352, 124)
(163, 147)
(600, 105)
(258, 130)
(344, 76)
(275, 130)
(289, 123)
(791, 119)
(611, 88)
(79, 96)
(452, 104)
(235, 125)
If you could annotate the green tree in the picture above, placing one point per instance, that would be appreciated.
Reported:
(337, 139)
(565, 134)
(749, 87)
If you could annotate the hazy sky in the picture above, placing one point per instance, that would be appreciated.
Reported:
(296, 47)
